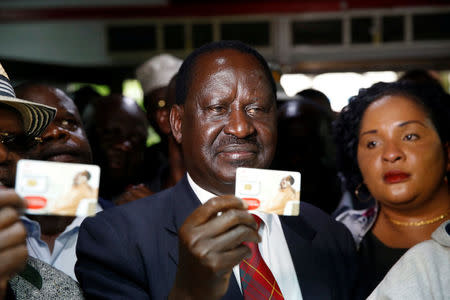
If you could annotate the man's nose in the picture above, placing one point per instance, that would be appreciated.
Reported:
(392, 152)
(55, 132)
(123, 145)
(239, 124)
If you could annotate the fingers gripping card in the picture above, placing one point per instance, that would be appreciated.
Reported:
(54, 188)
(269, 191)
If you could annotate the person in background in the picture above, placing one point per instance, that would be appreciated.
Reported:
(83, 98)
(394, 145)
(158, 79)
(172, 172)
(305, 145)
(52, 239)
(176, 245)
(423, 272)
(318, 97)
(154, 76)
(117, 130)
(21, 124)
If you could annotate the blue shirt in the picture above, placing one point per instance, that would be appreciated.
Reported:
(63, 256)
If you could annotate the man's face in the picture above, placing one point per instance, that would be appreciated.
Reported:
(228, 120)
(155, 101)
(121, 133)
(10, 125)
(64, 140)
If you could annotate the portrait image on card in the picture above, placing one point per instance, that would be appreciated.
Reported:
(269, 191)
(54, 188)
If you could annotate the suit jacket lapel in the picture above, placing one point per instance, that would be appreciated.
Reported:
(183, 202)
(299, 236)
(233, 291)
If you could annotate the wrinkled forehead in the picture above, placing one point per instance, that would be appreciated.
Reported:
(219, 59)
(221, 66)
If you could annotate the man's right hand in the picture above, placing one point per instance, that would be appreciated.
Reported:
(13, 247)
(210, 245)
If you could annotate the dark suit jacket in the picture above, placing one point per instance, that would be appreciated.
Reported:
(131, 251)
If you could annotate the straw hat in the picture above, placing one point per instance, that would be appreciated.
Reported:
(36, 117)
(157, 71)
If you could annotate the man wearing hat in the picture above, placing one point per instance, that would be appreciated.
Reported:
(157, 77)
(21, 123)
(154, 76)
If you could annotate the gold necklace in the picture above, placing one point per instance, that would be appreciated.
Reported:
(419, 223)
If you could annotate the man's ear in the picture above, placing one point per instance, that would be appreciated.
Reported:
(176, 121)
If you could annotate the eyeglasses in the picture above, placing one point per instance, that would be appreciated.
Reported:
(18, 142)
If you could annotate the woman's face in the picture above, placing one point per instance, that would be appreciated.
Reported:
(80, 179)
(400, 154)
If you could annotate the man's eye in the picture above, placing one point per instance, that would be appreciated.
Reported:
(254, 110)
(68, 124)
(411, 137)
(217, 109)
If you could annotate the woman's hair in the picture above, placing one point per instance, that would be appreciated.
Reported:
(434, 100)
(86, 174)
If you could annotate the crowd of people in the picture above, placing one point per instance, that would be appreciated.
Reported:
(375, 198)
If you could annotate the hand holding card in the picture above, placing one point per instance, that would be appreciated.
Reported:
(269, 191)
(53, 188)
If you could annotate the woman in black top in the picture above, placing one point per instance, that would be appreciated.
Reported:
(393, 146)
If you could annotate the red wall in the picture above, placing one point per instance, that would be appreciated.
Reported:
(201, 8)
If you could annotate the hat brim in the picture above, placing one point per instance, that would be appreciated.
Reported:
(36, 117)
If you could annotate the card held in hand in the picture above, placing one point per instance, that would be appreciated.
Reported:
(55, 188)
(269, 191)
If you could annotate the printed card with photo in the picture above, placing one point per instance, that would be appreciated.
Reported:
(54, 188)
(269, 191)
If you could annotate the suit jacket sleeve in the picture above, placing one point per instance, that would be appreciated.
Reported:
(109, 265)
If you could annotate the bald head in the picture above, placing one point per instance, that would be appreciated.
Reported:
(42, 93)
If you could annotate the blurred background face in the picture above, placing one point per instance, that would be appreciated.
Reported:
(400, 155)
(121, 133)
(154, 101)
(303, 130)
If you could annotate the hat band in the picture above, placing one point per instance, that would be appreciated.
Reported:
(6, 88)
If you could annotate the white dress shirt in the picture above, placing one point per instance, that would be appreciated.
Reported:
(273, 248)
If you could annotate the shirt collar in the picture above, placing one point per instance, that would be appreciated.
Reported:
(204, 195)
(33, 228)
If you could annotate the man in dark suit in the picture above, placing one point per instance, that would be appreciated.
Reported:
(188, 242)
